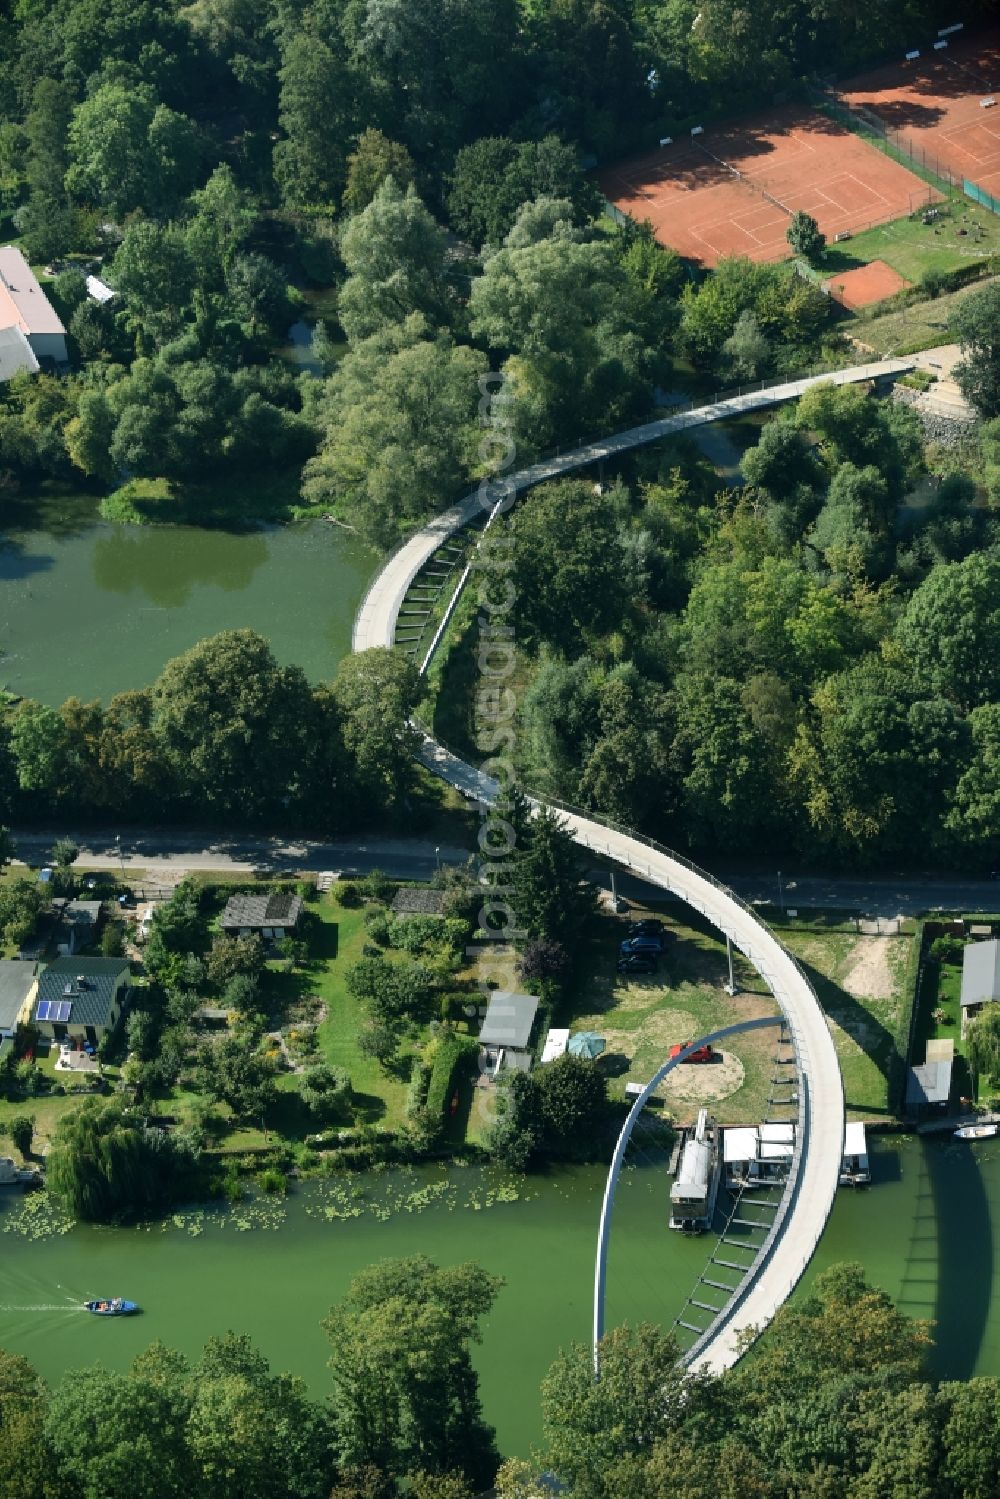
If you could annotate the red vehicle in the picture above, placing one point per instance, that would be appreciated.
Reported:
(703, 1054)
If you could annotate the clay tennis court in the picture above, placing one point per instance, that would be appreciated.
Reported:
(865, 285)
(732, 190)
(936, 103)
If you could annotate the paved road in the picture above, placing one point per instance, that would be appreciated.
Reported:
(168, 854)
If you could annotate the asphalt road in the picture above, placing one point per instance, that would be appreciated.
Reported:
(169, 853)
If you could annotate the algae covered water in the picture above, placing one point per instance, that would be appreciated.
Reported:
(88, 609)
(273, 1268)
(927, 1230)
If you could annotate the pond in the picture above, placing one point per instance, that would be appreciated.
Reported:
(89, 608)
(923, 1230)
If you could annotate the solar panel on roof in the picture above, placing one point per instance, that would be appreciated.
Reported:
(43, 1010)
(62, 1008)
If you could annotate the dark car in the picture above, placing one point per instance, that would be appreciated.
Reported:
(637, 963)
(649, 947)
(649, 927)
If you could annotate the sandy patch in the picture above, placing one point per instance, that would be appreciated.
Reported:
(870, 975)
(704, 1082)
(699, 1082)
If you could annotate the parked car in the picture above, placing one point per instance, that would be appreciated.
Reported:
(651, 946)
(637, 963)
(703, 1054)
(648, 927)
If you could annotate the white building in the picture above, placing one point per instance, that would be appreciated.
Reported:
(23, 305)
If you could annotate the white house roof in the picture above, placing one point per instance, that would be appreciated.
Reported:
(777, 1134)
(16, 354)
(695, 1168)
(739, 1144)
(980, 972)
(99, 290)
(556, 1043)
(22, 301)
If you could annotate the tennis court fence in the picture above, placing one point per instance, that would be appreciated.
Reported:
(867, 123)
(980, 195)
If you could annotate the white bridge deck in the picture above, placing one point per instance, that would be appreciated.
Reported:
(815, 1170)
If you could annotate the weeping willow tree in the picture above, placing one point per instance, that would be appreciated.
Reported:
(106, 1165)
(983, 1045)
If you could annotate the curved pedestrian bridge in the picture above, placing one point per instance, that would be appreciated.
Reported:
(815, 1167)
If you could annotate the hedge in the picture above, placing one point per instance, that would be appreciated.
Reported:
(452, 1051)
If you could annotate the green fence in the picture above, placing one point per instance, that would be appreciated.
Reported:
(980, 195)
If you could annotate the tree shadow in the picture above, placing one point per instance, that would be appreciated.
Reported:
(369, 1106)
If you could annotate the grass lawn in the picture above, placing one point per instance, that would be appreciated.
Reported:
(859, 980)
(923, 325)
(641, 1018)
(961, 232)
(335, 945)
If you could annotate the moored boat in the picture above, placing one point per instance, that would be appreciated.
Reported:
(112, 1306)
(977, 1131)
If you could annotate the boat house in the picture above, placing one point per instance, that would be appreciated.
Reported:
(854, 1168)
(506, 1032)
(270, 916)
(928, 1087)
(693, 1194)
(81, 999)
(980, 978)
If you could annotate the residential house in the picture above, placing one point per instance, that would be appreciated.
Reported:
(980, 978)
(81, 999)
(270, 916)
(506, 1032)
(25, 306)
(18, 989)
(78, 924)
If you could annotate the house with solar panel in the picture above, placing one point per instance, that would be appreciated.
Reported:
(81, 999)
(271, 916)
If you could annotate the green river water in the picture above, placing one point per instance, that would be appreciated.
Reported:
(90, 608)
(924, 1231)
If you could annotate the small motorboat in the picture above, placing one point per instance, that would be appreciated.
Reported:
(112, 1306)
(977, 1131)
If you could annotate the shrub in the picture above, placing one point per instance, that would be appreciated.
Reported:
(273, 1181)
(947, 949)
(140, 502)
(349, 895)
(378, 886)
(451, 1053)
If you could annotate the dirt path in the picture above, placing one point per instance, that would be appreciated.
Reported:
(870, 974)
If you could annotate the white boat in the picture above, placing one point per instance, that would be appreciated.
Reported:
(855, 1170)
(977, 1131)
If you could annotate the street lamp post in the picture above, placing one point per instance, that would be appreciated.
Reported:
(437, 858)
(121, 856)
(781, 896)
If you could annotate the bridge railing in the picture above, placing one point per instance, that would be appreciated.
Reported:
(546, 798)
